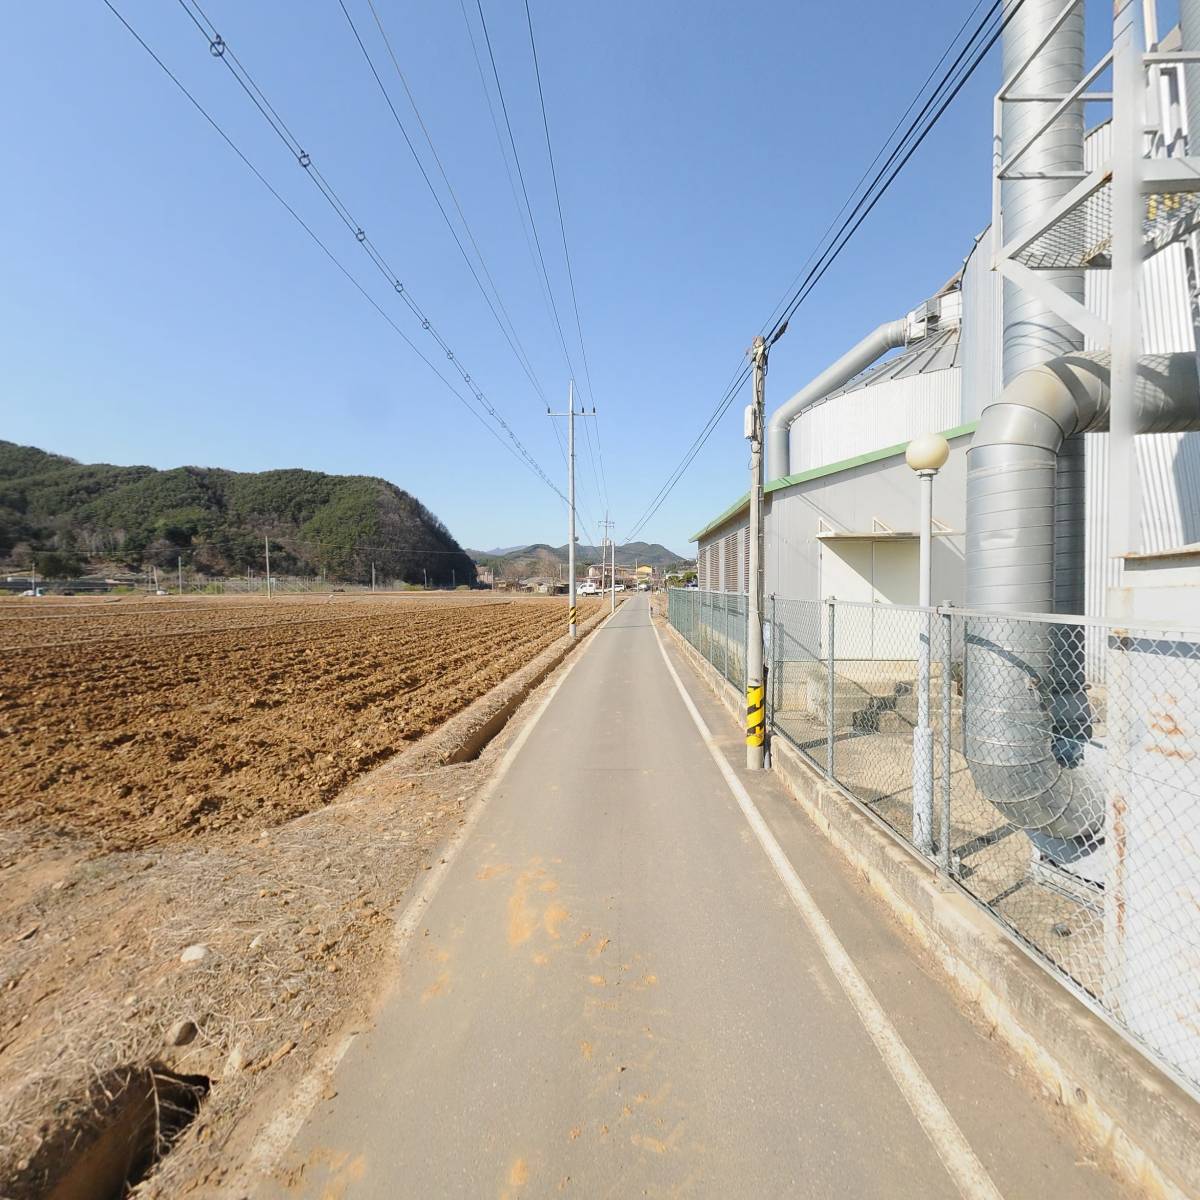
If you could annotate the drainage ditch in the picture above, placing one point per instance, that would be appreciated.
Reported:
(132, 1119)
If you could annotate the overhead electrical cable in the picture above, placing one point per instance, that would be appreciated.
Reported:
(580, 513)
(524, 189)
(518, 451)
(713, 421)
(972, 53)
(867, 170)
(914, 136)
(512, 183)
(601, 497)
(221, 50)
(504, 322)
(562, 228)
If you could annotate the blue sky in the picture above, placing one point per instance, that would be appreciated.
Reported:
(160, 307)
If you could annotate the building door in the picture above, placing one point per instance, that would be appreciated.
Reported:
(873, 573)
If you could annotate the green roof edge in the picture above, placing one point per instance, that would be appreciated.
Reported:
(846, 464)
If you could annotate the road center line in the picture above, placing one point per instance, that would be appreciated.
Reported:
(960, 1161)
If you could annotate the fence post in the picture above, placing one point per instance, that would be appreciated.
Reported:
(725, 636)
(830, 701)
(947, 623)
(771, 691)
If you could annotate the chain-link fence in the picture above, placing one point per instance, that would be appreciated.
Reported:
(1058, 782)
(715, 623)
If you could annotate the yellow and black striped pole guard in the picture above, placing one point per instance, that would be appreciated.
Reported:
(756, 715)
(571, 618)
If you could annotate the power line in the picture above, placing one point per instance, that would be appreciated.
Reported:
(514, 341)
(697, 445)
(220, 50)
(562, 450)
(316, 239)
(524, 190)
(913, 138)
(562, 228)
(512, 183)
(954, 79)
(867, 170)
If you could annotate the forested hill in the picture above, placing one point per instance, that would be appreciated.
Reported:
(215, 520)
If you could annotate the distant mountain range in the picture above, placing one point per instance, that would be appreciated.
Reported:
(520, 562)
(71, 515)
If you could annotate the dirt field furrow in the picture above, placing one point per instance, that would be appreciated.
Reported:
(208, 717)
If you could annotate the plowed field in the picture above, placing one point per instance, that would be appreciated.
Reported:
(140, 722)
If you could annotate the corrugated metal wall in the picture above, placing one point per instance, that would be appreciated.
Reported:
(871, 418)
(1168, 463)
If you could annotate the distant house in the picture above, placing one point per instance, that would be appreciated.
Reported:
(543, 585)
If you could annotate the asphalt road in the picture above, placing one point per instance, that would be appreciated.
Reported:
(616, 991)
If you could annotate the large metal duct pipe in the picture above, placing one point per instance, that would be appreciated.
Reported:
(1033, 333)
(889, 336)
(1025, 723)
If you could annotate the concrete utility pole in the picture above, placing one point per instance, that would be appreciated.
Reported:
(571, 613)
(605, 542)
(267, 551)
(571, 414)
(756, 712)
(179, 564)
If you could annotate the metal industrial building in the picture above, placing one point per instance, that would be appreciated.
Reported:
(841, 520)
(1060, 363)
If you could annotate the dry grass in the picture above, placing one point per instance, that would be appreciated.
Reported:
(294, 923)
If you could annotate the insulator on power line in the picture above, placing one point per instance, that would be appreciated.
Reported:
(216, 47)
(304, 159)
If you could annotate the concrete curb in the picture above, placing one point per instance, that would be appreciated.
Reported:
(468, 732)
(1142, 1120)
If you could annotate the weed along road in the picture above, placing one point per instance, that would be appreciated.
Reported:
(644, 973)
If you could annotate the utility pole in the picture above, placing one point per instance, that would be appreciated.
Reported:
(267, 551)
(571, 414)
(755, 684)
(179, 565)
(609, 544)
(372, 577)
(572, 615)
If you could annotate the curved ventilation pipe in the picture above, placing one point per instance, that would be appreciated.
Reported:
(888, 336)
(1026, 722)
(1033, 332)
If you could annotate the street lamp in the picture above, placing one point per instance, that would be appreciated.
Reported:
(926, 454)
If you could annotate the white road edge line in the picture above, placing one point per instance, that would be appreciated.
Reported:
(960, 1161)
(279, 1133)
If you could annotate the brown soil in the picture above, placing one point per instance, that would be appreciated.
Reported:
(169, 778)
(145, 723)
